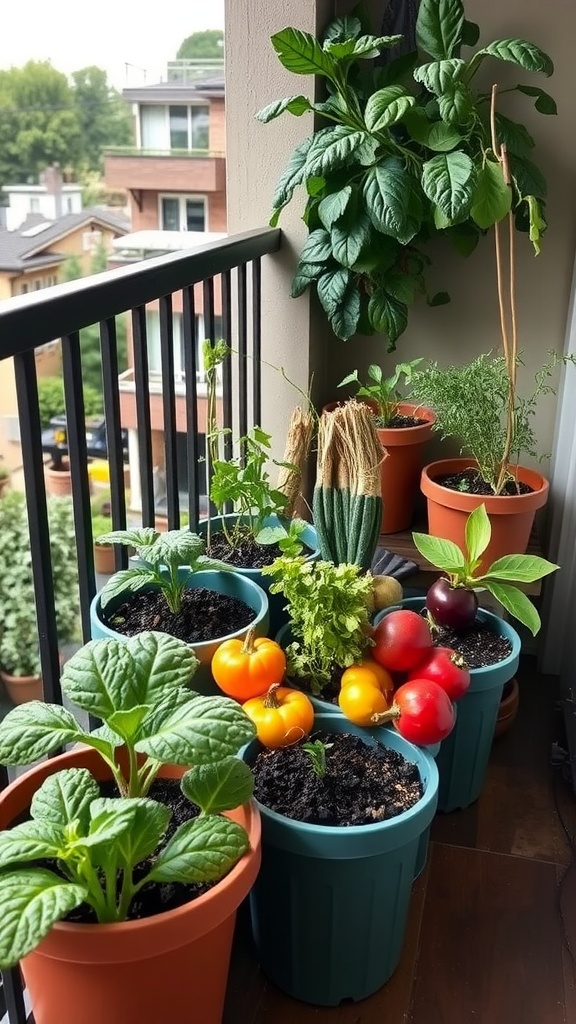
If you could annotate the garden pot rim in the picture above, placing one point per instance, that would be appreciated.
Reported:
(409, 435)
(198, 579)
(249, 571)
(502, 504)
(126, 940)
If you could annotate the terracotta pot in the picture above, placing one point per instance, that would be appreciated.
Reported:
(21, 689)
(104, 559)
(508, 709)
(176, 962)
(58, 481)
(511, 516)
(400, 470)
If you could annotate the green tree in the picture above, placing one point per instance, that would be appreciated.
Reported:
(103, 116)
(38, 121)
(71, 268)
(202, 45)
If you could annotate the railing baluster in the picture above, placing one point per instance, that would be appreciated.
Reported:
(109, 349)
(227, 365)
(191, 370)
(141, 383)
(14, 996)
(242, 352)
(76, 432)
(208, 303)
(169, 410)
(256, 342)
(30, 432)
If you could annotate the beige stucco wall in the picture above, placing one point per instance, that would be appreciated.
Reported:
(257, 154)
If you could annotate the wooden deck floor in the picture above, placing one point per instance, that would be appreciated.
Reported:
(489, 927)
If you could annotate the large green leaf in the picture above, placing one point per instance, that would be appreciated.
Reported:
(124, 580)
(515, 602)
(492, 196)
(443, 137)
(64, 798)
(387, 315)
(219, 787)
(518, 51)
(366, 47)
(440, 76)
(305, 274)
(194, 730)
(477, 533)
(33, 730)
(520, 568)
(439, 27)
(387, 190)
(447, 180)
(348, 26)
(292, 176)
(529, 179)
(111, 818)
(386, 106)
(332, 206)
(302, 54)
(515, 136)
(343, 315)
(296, 105)
(32, 901)
(202, 850)
(350, 236)
(444, 554)
(545, 104)
(30, 841)
(456, 105)
(118, 675)
(317, 248)
(337, 149)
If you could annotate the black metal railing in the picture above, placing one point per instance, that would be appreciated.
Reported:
(232, 266)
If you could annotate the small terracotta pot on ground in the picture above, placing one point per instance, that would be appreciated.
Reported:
(21, 689)
(176, 961)
(104, 563)
(511, 516)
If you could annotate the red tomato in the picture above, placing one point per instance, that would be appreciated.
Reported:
(447, 668)
(401, 639)
(423, 712)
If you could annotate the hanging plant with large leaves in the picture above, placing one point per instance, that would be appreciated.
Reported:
(406, 153)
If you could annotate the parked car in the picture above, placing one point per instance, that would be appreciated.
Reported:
(55, 437)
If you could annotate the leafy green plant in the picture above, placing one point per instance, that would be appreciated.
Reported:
(51, 399)
(140, 689)
(165, 557)
(328, 611)
(462, 567)
(472, 402)
(19, 642)
(244, 482)
(383, 391)
(402, 152)
(316, 751)
(100, 525)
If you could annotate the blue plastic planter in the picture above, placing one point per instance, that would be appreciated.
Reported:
(229, 583)
(330, 905)
(278, 616)
(464, 754)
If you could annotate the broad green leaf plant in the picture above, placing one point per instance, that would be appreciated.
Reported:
(462, 567)
(401, 153)
(383, 391)
(168, 560)
(140, 689)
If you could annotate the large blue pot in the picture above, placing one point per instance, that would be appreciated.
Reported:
(330, 905)
(463, 757)
(278, 616)
(230, 583)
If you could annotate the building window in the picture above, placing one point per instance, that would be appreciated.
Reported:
(154, 348)
(200, 121)
(34, 205)
(183, 213)
(23, 289)
(91, 240)
(69, 204)
(38, 284)
(178, 127)
(174, 127)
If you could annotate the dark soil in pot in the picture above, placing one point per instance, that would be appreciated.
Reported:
(479, 645)
(469, 481)
(399, 421)
(204, 615)
(362, 785)
(245, 553)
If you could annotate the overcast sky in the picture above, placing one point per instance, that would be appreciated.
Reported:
(110, 34)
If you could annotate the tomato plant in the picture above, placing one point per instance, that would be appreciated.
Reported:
(422, 712)
(447, 668)
(401, 639)
(247, 668)
(282, 716)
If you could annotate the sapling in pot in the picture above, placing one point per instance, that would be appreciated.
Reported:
(97, 844)
(452, 601)
(383, 392)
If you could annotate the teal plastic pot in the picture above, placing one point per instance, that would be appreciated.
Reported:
(463, 757)
(278, 616)
(330, 905)
(230, 583)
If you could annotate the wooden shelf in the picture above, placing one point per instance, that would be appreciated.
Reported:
(403, 545)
